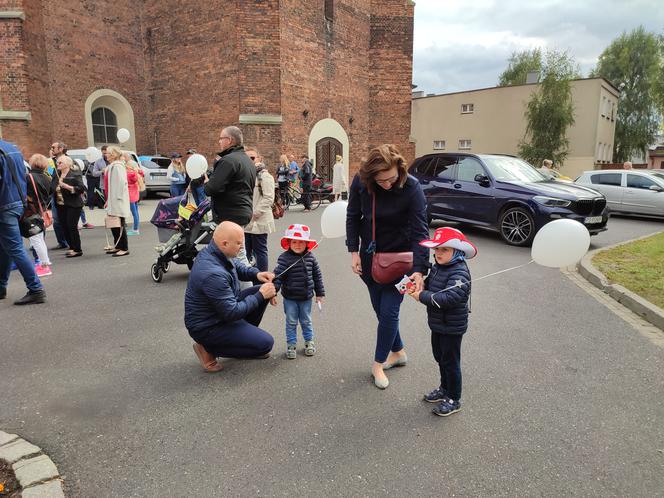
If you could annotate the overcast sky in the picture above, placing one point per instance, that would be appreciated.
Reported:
(465, 44)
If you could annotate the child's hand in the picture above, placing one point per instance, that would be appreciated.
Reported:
(273, 301)
(414, 294)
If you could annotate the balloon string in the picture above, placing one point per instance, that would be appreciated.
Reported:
(459, 283)
(299, 259)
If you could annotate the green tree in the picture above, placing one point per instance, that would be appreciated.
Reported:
(520, 64)
(633, 63)
(550, 111)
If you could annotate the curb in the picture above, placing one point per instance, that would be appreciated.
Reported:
(37, 474)
(634, 302)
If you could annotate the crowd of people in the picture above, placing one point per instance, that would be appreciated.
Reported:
(226, 296)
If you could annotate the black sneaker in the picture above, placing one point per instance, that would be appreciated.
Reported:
(447, 408)
(32, 297)
(436, 396)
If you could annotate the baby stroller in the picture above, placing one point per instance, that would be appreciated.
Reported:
(179, 236)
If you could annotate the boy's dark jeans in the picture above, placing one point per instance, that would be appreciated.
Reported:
(447, 352)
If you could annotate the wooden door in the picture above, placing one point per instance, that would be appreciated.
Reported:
(326, 151)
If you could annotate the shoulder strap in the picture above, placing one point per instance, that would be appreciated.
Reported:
(373, 218)
(41, 210)
(13, 173)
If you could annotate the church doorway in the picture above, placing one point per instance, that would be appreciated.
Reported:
(326, 151)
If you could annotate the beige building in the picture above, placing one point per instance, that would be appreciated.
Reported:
(491, 120)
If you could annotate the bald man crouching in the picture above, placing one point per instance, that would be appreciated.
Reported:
(222, 319)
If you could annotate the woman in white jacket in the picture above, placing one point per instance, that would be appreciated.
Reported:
(117, 200)
(262, 221)
(339, 181)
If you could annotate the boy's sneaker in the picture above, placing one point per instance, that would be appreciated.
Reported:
(436, 396)
(43, 271)
(309, 348)
(447, 408)
(88, 226)
(291, 352)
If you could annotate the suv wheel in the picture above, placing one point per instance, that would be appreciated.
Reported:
(517, 227)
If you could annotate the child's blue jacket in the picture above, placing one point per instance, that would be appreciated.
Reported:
(447, 311)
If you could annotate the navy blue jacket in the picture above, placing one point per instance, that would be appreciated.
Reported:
(401, 222)
(10, 193)
(302, 280)
(213, 292)
(447, 311)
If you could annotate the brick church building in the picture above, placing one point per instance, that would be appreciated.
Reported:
(321, 77)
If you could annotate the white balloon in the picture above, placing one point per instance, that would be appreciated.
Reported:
(92, 154)
(333, 221)
(560, 243)
(123, 135)
(196, 166)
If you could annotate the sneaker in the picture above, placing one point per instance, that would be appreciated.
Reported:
(133, 232)
(89, 226)
(309, 348)
(32, 297)
(447, 408)
(436, 396)
(291, 352)
(43, 270)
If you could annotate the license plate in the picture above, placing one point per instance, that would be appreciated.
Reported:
(157, 174)
(591, 220)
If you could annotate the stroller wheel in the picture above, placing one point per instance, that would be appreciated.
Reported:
(166, 267)
(156, 272)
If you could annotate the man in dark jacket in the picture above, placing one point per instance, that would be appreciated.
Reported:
(306, 173)
(221, 318)
(13, 190)
(231, 185)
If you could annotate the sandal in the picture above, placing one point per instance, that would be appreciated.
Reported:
(120, 253)
(112, 251)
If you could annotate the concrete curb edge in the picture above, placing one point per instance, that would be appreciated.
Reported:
(634, 302)
(35, 471)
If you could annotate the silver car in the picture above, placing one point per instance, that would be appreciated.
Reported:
(628, 191)
(154, 171)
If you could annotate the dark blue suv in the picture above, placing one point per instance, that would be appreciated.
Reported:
(503, 193)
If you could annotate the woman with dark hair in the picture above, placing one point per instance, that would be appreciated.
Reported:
(384, 187)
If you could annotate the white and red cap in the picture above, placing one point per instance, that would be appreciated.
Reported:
(298, 232)
(451, 237)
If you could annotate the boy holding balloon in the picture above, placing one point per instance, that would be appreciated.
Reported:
(446, 295)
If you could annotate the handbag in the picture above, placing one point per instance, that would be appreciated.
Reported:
(112, 221)
(28, 225)
(46, 214)
(388, 267)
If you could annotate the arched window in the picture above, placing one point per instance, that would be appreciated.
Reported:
(104, 126)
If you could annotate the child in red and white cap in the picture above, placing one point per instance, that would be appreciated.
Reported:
(299, 278)
(446, 294)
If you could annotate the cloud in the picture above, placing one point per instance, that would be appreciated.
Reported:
(462, 45)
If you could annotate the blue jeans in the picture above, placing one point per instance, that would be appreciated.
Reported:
(177, 189)
(386, 301)
(256, 246)
(134, 214)
(57, 227)
(83, 218)
(11, 249)
(298, 311)
(199, 194)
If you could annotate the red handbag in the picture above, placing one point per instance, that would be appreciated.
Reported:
(46, 214)
(388, 267)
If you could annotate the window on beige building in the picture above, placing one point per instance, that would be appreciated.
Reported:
(467, 108)
(603, 107)
(465, 144)
(439, 145)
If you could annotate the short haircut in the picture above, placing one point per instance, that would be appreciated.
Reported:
(547, 163)
(304, 156)
(62, 146)
(115, 150)
(104, 147)
(383, 158)
(67, 160)
(38, 161)
(235, 134)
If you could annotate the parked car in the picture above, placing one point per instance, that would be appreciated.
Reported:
(628, 191)
(80, 154)
(154, 168)
(503, 193)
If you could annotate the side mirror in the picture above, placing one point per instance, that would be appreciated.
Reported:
(482, 180)
(656, 188)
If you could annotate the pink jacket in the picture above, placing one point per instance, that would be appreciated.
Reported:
(132, 180)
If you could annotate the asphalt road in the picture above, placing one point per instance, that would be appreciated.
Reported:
(561, 397)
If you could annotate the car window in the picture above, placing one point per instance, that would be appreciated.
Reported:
(445, 168)
(638, 181)
(468, 168)
(607, 179)
(426, 167)
(658, 175)
(506, 168)
(156, 163)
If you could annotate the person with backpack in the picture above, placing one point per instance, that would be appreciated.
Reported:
(13, 190)
(262, 219)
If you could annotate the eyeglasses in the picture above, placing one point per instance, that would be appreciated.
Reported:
(388, 181)
(252, 157)
(227, 138)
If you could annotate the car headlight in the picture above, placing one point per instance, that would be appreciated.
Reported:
(551, 201)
